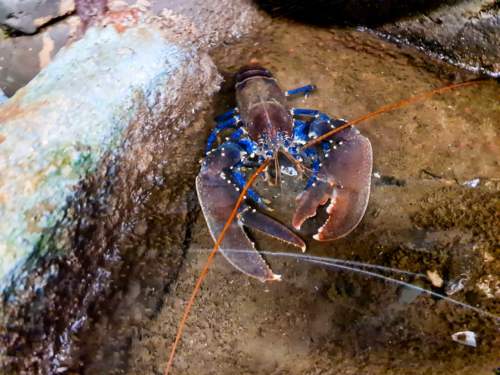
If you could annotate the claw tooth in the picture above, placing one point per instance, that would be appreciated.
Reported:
(275, 277)
(331, 206)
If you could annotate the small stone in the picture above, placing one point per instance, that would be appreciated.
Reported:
(435, 279)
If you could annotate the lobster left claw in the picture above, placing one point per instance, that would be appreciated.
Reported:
(344, 179)
(218, 197)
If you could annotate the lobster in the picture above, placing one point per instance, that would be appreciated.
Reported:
(264, 129)
(336, 156)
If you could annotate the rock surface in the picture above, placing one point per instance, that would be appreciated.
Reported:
(21, 58)
(92, 151)
(27, 16)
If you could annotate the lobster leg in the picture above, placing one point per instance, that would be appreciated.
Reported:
(300, 130)
(301, 90)
(226, 115)
(344, 179)
(226, 124)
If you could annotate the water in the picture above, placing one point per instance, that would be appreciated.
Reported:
(424, 215)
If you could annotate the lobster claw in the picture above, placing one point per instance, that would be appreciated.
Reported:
(344, 178)
(218, 196)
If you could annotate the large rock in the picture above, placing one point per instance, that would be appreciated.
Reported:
(466, 33)
(93, 151)
(27, 16)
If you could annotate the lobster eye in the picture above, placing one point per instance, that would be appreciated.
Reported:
(251, 71)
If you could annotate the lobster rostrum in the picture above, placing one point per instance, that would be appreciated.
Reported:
(263, 127)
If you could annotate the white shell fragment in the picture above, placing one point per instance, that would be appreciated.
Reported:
(465, 338)
(435, 278)
(455, 286)
(472, 183)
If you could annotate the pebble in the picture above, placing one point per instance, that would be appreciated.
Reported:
(435, 278)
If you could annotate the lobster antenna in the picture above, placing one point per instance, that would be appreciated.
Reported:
(277, 171)
(208, 263)
(359, 267)
(323, 260)
(411, 286)
(391, 107)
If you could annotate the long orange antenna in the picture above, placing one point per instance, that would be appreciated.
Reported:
(392, 107)
(209, 262)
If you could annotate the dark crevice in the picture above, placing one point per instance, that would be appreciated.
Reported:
(349, 12)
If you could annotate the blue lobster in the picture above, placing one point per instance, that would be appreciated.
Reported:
(262, 127)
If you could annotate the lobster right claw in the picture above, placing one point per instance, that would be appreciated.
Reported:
(344, 179)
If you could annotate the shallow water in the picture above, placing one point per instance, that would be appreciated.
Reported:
(422, 217)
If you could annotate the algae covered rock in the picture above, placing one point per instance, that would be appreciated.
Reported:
(84, 146)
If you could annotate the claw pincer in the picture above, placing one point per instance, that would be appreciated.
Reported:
(263, 127)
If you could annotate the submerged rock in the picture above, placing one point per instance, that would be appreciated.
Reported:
(466, 33)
